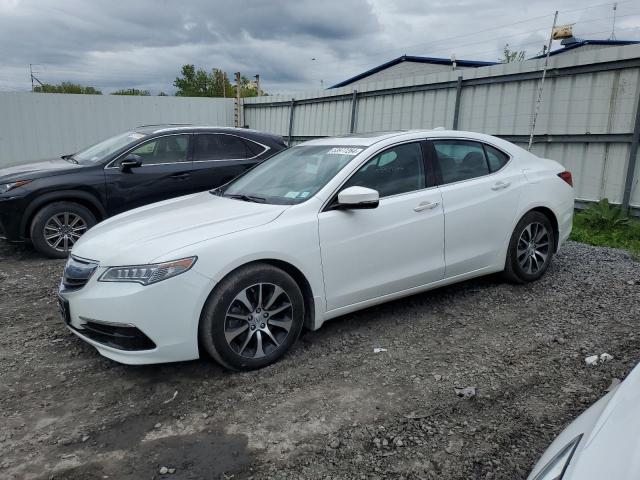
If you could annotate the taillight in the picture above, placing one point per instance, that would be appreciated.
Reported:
(566, 176)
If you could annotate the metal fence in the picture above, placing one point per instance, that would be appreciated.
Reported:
(46, 125)
(589, 118)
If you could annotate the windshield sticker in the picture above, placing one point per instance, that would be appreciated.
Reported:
(291, 194)
(137, 136)
(304, 194)
(344, 151)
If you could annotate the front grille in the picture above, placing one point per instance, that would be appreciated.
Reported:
(122, 337)
(77, 273)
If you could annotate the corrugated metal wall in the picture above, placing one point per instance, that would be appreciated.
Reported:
(46, 125)
(586, 119)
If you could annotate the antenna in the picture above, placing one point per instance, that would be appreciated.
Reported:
(613, 27)
(33, 77)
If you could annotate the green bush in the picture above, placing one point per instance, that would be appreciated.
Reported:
(605, 216)
(605, 225)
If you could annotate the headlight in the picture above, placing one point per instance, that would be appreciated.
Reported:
(5, 187)
(554, 470)
(147, 274)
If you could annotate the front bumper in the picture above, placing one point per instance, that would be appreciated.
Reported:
(136, 324)
(11, 214)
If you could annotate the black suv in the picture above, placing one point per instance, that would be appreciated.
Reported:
(52, 203)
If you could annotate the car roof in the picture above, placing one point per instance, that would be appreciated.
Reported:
(370, 138)
(185, 127)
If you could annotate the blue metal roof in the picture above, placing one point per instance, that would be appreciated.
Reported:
(579, 43)
(411, 58)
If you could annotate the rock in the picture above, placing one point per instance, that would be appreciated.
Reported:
(157, 425)
(437, 377)
(172, 471)
(605, 357)
(85, 438)
(592, 360)
(335, 443)
(631, 282)
(454, 447)
(466, 392)
(163, 470)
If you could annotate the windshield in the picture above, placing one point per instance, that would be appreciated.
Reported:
(291, 176)
(100, 151)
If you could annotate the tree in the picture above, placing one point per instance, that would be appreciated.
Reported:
(511, 56)
(200, 83)
(131, 91)
(66, 87)
(162, 94)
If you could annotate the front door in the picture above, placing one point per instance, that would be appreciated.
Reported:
(399, 245)
(166, 172)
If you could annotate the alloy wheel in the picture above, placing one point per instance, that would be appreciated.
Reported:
(63, 230)
(258, 320)
(533, 248)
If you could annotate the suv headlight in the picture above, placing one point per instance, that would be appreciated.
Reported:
(147, 274)
(554, 470)
(5, 187)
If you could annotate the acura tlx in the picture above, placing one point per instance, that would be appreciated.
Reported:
(319, 230)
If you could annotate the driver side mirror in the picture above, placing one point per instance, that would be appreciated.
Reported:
(130, 161)
(358, 198)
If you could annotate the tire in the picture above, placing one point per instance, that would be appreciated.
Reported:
(246, 333)
(67, 220)
(530, 249)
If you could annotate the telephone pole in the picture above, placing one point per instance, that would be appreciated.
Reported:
(258, 83)
(33, 77)
(238, 108)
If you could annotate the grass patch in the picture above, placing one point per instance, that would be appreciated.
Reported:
(603, 225)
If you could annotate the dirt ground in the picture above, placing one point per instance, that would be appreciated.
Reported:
(332, 408)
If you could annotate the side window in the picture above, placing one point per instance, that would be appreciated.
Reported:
(397, 170)
(253, 148)
(460, 160)
(495, 157)
(169, 149)
(220, 147)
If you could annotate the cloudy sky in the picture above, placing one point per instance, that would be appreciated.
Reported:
(293, 45)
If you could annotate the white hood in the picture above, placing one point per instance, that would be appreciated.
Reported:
(610, 444)
(612, 448)
(142, 235)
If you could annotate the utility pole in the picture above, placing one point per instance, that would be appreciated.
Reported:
(33, 77)
(258, 84)
(238, 110)
(544, 74)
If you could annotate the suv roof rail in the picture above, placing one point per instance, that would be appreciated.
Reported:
(165, 125)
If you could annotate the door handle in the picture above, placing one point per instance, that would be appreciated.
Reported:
(500, 185)
(180, 176)
(425, 206)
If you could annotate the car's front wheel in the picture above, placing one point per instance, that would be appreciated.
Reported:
(530, 249)
(57, 227)
(252, 317)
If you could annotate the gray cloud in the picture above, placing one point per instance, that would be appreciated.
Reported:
(143, 43)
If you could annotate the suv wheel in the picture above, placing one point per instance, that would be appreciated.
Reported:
(57, 227)
(530, 249)
(252, 318)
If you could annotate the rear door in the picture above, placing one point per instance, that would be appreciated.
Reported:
(480, 191)
(220, 157)
(165, 173)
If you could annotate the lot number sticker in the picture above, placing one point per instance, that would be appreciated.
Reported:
(344, 151)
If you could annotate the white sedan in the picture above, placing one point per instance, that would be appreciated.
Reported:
(322, 229)
(600, 444)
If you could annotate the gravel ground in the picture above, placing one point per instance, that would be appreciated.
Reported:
(332, 408)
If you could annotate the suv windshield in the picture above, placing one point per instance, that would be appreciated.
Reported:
(291, 176)
(100, 151)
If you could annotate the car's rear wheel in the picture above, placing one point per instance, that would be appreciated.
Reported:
(252, 317)
(530, 249)
(57, 227)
